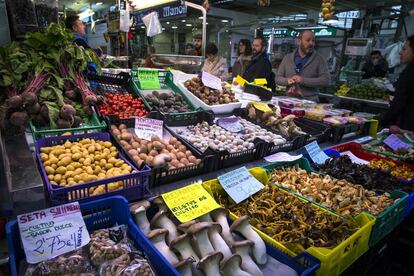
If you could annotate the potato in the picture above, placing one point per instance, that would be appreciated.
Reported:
(149, 160)
(116, 132)
(173, 156)
(109, 166)
(53, 160)
(158, 145)
(126, 136)
(170, 148)
(133, 152)
(76, 156)
(113, 154)
(54, 166)
(182, 148)
(50, 177)
(181, 155)
(61, 170)
(188, 153)
(173, 140)
(44, 157)
(89, 170)
(49, 170)
(87, 161)
(180, 165)
(91, 149)
(57, 178)
(192, 159)
(112, 160)
(184, 161)
(155, 138)
(135, 145)
(65, 161)
(175, 162)
(46, 150)
(165, 151)
(150, 147)
(76, 165)
(143, 156)
(67, 144)
(153, 153)
(119, 163)
(107, 144)
(102, 163)
(98, 147)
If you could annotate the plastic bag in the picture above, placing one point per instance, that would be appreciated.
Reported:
(127, 265)
(152, 23)
(108, 244)
(76, 262)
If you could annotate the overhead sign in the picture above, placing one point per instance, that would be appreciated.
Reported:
(164, 12)
(294, 33)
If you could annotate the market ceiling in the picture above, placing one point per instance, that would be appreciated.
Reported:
(277, 7)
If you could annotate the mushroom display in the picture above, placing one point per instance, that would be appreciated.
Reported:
(242, 226)
(219, 215)
(157, 237)
(231, 266)
(200, 232)
(139, 211)
(243, 249)
(217, 241)
(210, 264)
(160, 220)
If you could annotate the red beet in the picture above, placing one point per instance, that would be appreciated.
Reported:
(15, 102)
(33, 109)
(29, 98)
(67, 112)
(19, 119)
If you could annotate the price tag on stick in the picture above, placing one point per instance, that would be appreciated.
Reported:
(240, 184)
(49, 233)
(395, 143)
(190, 202)
(145, 128)
(315, 153)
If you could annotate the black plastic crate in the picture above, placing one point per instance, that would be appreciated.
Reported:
(160, 176)
(318, 131)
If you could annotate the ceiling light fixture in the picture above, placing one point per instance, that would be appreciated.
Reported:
(145, 4)
(224, 21)
(183, 20)
(98, 3)
(85, 14)
(174, 27)
(188, 25)
(168, 22)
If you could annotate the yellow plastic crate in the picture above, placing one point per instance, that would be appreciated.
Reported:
(333, 261)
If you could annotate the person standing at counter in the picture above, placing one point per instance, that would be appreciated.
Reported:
(375, 67)
(260, 67)
(400, 112)
(244, 53)
(197, 41)
(215, 64)
(74, 24)
(305, 68)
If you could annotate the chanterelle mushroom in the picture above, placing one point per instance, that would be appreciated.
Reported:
(220, 215)
(210, 264)
(217, 241)
(259, 248)
(157, 237)
(200, 233)
(231, 266)
(160, 220)
(138, 210)
(242, 248)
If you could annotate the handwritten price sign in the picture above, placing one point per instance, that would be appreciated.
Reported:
(52, 232)
(240, 184)
(145, 128)
(190, 202)
(148, 79)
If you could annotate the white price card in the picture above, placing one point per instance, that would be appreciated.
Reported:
(211, 81)
(49, 233)
(354, 159)
(145, 128)
(282, 157)
(240, 184)
(315, 153)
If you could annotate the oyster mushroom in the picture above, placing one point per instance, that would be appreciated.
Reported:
(259, 248)
(210, 264)
(160, 220)
(205, 218)
(220, 215)
(231, 266)
(182, 244)
(217, 241)
(200, 232)
(139, 211)
(157, 237)
(242, 248)
(184, 267)
(183, 227)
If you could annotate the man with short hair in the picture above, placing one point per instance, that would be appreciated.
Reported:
(197, 41)
(260, 66)
(78, 28)
(375, 67)
(304, 68)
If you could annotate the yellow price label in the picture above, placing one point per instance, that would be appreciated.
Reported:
(240, 80)
(373, 128)
(260, 81)
(190, 202)
(262, 106)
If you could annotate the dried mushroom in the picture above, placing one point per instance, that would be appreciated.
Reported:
(295, 223)
(340, 195)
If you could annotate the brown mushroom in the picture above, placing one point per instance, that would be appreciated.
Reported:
(243, 249)
(210, 264)
(157, 237)
(138, 210)
(231, 266)
(160, 220)
(182, 244)
(200, 232)
(217, 241)
(220, 215)
(184, 267)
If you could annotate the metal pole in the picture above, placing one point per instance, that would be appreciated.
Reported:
(204, 34)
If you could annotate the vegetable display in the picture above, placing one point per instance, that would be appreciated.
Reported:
(295, 223)
(42, 78)
(158, 152)
(402, 171)
(80, 162)
(273, 119)
(339, 195)
(208, 95)
(167, 102)
(366, 91)
(122, 105)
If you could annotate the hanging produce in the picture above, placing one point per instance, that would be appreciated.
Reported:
(328, 9)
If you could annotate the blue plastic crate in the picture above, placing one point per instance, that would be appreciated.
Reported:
(98, 214)
(135, 185)
(410, 205)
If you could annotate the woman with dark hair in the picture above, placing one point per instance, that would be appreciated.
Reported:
(244, 55)
(401, 112)
(215, 64)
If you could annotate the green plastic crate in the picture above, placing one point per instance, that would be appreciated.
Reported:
(389, 154)
(166, 82)
(385, 222)
(94, 125)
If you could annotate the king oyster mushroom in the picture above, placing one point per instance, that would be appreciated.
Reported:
(205, 218)
(231, 266)
(182, 244)
(210, 264)
(157, 237)
(139, 211)
(242, 248)
(160, 203)
(183, 227)
(160, 220)
(200, 232)
(242, 226)
(217, 241)
(219, 215)
(184, 267)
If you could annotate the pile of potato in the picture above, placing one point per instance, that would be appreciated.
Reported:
(84, 161)
(157, 152)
